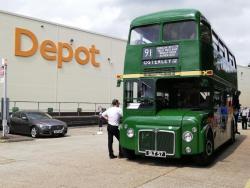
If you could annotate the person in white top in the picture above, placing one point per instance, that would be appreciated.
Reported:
(113, 116)
(101, 120)
(245, 112)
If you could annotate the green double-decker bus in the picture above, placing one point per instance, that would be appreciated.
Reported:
(179, 86)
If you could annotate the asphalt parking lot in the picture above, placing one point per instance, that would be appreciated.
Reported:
(81, 160)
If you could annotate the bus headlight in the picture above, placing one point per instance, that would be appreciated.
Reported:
(130, 132)
(187, 136)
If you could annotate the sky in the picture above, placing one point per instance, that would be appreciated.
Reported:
(229, 18)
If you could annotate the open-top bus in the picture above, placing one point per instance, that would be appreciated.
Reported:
(179, 83)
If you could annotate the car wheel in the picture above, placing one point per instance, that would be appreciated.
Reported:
(7, 130)
(34, 132)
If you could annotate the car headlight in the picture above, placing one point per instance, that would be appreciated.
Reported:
(187, 136)
(130, 132)
(43, 126)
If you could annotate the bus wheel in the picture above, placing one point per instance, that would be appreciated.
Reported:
(233, 127)
(205, 158)
(130, 154)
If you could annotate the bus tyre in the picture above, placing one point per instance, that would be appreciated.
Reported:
(233, 128)
(205, 158)
(130, 154)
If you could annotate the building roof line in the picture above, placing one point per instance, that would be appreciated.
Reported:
(243, 66)
(59, 25)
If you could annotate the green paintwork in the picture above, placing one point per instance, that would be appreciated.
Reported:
(189, 50)
(178, 120)
(193, 55)
(165, 16)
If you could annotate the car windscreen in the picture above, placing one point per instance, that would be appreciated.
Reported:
(38, 115)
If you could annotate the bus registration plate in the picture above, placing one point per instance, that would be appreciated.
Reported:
(152, 153)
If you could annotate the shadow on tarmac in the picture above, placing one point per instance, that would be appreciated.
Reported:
(220, 155)
(40, 137)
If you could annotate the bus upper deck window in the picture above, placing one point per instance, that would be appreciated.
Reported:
(179, 31)
(145, 35)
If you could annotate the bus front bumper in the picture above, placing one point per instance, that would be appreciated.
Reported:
(164, 141)
(154, 141)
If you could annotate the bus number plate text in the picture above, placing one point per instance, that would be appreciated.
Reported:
(152, 153)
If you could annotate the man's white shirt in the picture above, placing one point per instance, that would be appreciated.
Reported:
(114, 114)
(245, 112)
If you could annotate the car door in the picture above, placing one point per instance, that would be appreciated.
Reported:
(15, 122)
(24, 124)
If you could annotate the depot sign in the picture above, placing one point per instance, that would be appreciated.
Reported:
(52, 51)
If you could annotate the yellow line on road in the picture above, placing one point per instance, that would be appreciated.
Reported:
(247, 184)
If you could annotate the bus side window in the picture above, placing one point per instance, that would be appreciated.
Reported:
(205, 33)
(131, 91)
(217, 100)
(135, 91)
(162, 99)
(204, 98)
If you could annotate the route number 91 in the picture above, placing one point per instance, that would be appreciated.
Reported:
(147, 53)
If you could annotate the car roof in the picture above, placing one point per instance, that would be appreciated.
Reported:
(29, 111)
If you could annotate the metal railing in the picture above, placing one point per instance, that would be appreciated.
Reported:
(58, 107)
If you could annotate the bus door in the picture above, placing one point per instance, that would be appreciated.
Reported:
(221, 117)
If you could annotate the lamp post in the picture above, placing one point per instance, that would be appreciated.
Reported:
(4, 116)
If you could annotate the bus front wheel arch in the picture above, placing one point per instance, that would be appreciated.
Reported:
(206, 156)
(130, 154)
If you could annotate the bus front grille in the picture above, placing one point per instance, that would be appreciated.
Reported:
(146, 140)
(159, 140)
(165, 142)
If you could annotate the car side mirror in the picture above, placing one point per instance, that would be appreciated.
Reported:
(24, 118)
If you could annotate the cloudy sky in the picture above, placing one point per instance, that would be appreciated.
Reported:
(229, 18)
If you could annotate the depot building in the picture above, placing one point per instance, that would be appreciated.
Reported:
(50, 62)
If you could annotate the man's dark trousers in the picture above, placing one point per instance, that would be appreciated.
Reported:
(244, 122)
(113, 131)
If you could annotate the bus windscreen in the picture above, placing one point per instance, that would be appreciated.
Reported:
(145, 35)
(179, 31)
